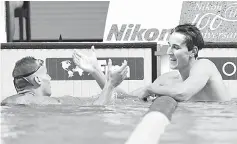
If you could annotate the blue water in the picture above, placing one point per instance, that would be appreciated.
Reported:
(195, 123)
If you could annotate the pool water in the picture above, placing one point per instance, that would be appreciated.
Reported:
(195, 123)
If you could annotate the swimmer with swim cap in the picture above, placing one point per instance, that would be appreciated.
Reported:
(32, 83)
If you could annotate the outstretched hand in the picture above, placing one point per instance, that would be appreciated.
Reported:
(86, 63)
(90, 64)
(117, 75)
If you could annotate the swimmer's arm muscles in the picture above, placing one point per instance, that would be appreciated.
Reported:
(183, 91)
(107, 89)
(140, 92)
(99, 76)
(105, 96)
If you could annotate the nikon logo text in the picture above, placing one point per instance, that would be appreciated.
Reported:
(136, 33)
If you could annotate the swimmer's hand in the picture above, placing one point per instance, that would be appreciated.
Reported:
(116, 76)
(113, 78)
(142, 93)
(146, 93)
(86, 63)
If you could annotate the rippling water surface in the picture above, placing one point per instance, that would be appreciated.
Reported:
(192, 123)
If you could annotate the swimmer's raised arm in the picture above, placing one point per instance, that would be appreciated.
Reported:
(90, 64)
(182, 91)
(114, 78)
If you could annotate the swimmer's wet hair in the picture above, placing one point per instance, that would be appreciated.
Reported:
(23, 66)
(193, 36)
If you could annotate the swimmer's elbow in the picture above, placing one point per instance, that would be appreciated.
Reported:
(181, 98)
(182, 95)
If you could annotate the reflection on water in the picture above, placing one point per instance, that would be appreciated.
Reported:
(203, 123)
(196, 123)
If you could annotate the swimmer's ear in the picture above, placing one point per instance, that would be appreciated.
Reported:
(37, 80)
(194, 51)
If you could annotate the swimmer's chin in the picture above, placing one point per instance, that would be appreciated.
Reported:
(173, 68)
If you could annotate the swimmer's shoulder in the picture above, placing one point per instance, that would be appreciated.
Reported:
(20, 99)
(205, 62)
(6, 101)
(12, 100)
(206, 65)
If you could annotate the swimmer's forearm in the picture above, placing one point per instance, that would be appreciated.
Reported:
(140, 92)
(172, 91)
(99, 76)
(105, 96)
